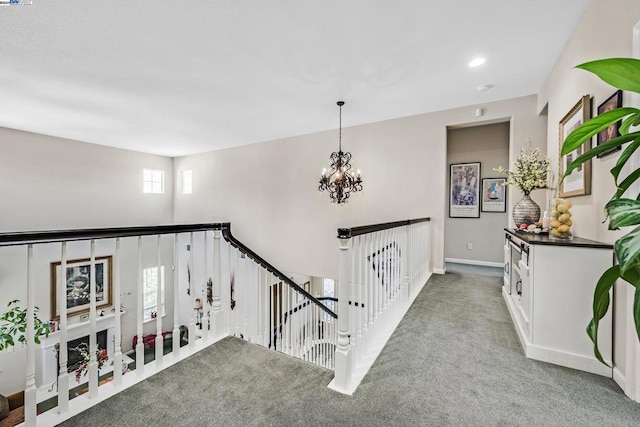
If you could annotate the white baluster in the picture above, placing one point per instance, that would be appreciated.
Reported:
(63, 352)
(159, 342)
(206, 331)
(139, 315)
(117, 357)
(404, 262)
(176, 300)
(266, 312)
(30, 391)
(192, 287)
(216, 305)
(93, 345)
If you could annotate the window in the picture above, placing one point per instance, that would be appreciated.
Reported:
(153, 181)
(328, 286)
(150, 292)
(187, 182)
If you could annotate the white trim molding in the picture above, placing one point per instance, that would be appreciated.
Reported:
(475, 262)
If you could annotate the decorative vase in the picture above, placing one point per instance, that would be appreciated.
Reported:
(526, 211)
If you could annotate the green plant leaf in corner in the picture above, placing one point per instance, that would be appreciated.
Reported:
(623, 213)
(627, 250)
(619, 72)
(590, 128)
(624, 157)
(613, 143)
(601, 306)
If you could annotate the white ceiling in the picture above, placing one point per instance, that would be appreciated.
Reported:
(187, 76)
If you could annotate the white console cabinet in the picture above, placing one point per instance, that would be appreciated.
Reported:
(548, 288)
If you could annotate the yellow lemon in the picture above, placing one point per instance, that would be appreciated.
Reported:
(555, 214)
(563, 228)
(555, 223)
(562, 208)
(554, 232)
(564, 217)
(568, 222)
(568, 204)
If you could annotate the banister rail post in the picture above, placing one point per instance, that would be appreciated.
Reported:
(343, 369)
(30, 404)
(216, 303)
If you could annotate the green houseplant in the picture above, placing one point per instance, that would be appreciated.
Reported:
(624, 74)
(13, 324)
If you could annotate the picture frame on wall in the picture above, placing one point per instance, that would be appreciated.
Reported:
(613, 131)
(77, 285)
(464, 190)
(578, 183)
(494, 195)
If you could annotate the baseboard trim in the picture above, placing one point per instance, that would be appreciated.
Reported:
(439, 270)
(619, 378)
(474, 262)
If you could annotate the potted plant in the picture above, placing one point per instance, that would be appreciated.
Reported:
(624, 74)
(530, 173)
(13, 324)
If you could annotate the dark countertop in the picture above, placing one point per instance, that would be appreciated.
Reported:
(543, 239)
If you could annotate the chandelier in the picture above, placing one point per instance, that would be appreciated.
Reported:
(340, 180)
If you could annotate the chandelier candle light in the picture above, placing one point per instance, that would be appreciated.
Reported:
(341, 180)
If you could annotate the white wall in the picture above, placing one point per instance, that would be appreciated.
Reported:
(489, 145)
(55, 183)
(605, 31)
(269, 190)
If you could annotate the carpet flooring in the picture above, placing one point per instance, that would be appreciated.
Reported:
(454, 360)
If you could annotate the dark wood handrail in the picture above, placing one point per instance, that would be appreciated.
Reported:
(226, 233)
(346, 233)
(53, 236)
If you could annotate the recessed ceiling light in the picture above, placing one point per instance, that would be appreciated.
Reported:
(476, 62)
(484, 88)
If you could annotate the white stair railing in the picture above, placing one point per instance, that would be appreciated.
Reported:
(131, 250)
(382, 268)
(269, 309)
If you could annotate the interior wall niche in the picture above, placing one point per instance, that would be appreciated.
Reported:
(477, 240)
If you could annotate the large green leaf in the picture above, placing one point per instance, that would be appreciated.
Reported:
(619, 72)
(591, 127)
(613, 143)
(628, 251)
(623, 213)
(624, 157)
(626, 124)
(601, 302)
(626, 183)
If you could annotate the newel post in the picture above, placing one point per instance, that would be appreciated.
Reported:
(343, 369)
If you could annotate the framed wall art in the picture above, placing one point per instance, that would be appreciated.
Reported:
(613, 131)
(77, 285)
(578, 183)
(464, 190)
(494, 195)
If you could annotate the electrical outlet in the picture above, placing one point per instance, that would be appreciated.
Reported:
(469, 246)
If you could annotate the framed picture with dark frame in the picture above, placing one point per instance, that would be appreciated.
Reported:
(464, 190)
(613, 131)
(578, 183)
(494, 195)
(77, 284)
